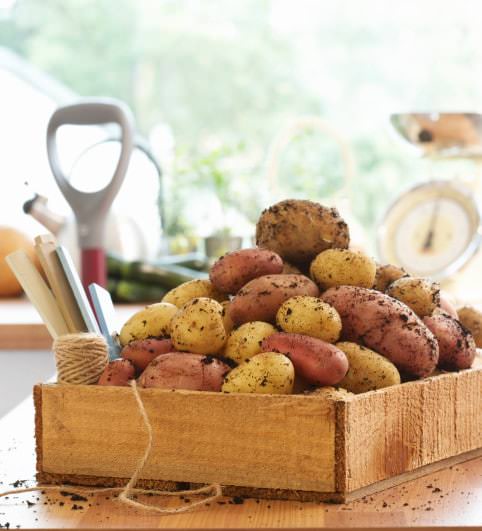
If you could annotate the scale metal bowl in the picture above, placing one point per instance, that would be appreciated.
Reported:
(441, 134)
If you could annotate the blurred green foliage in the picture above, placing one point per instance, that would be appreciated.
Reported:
(224, 74)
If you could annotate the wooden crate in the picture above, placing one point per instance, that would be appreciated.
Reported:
(288, 447)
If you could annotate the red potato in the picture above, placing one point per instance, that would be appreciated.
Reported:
(456, 344)
(320, 363)
(142, 351)
(386, 326)
(260, 299)
(184, 370)
(447, 305)
(117, 372)
(233, 270)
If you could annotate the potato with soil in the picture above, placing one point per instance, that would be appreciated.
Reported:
(184, 370)
(117, 372)
(456, 344)
(198, 327)
(309, 316)
(471, 318)
(386, 274)
(420, 294)
(298, 230)
(343, 267)
(192, 290)
(245, 342)
(142, 351)
(233, 270)
(260, 299)
(153, 321)
(228, 323)
(385, 325)
(266, 373)
(368, 370)
(320, 363)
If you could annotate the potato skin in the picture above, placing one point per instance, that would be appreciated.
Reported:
(309, 316)
(191, 290)
(320, 363)
(117, 372)
(368, 370)
(260, 299)
(386, 274)
(198, 327)
(456, 344)
(185, 370)
(471, 318)
(233, 270)
(298, 230)
(386, 326)
(245, 342)
(337, 267)
(228, 323)
(420, 294)
(448, 306)
(142, 351)
(153, 321)
(266, 373)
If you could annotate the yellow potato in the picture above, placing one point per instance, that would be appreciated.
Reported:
(192, 289)
(471, 318)
(198, 327)
(266, 373)
(341, 267)
(420, 294)
(331, 393)
(245, 342)
(367, 369)
(228, 322)
(386, 274)
(153, 321)
(309, 316)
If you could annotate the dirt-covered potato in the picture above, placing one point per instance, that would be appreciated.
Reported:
(456, 344)
(386, 274)
(245, 342)
(367, 370)
(142, 351)
(471, 318)
(191, 290)
(228, 323)
(233, 270)
(320, 363)
(290, 269)
(330, 393)
(385, 325)
(184, 370)
(343, 267)
(420, 294)
(153, 321)
(266, 373)
(198, 327)
(309, 316)
(117, 372)
(260, 299)
(298, 230)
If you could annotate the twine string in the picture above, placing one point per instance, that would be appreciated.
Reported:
(80, 358)
(73, 372)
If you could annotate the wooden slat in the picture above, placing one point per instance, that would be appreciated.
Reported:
(402, 428)
(284, 442)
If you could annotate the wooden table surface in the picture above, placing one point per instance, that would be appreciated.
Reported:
(452, 497)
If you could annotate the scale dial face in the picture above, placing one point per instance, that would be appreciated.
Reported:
(431, 230)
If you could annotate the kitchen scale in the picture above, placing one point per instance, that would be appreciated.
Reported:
(434, 228)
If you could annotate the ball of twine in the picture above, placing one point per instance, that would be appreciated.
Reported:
(80, 358)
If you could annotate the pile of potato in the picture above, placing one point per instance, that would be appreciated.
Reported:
(302, 312)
